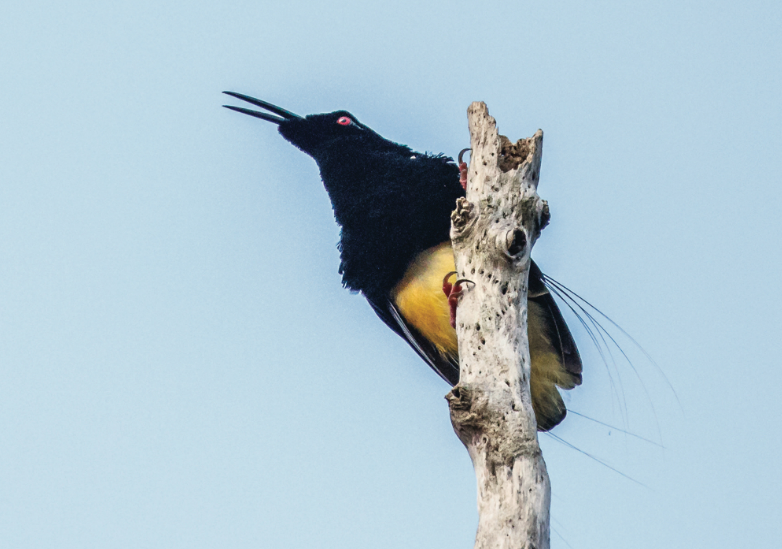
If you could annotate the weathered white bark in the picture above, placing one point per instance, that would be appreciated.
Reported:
(493, 231)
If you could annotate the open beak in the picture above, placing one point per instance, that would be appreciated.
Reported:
(283, 115)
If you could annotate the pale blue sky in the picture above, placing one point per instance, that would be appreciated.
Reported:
(180, 368)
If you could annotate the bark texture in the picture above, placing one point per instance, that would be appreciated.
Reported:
(493, 230)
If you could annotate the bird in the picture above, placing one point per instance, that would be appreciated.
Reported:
(393, 206)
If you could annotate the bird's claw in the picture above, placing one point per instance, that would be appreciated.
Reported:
(463, 168)
(453, 292)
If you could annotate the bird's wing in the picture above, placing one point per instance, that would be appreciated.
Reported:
(447, 367)
(555, 328)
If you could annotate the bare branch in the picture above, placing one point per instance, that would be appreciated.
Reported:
(493, 231)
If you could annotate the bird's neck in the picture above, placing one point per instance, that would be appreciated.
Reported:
(389, 213)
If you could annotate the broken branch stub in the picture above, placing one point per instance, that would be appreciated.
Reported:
(493, 230)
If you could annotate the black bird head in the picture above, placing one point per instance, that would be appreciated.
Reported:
(391, 202)
(316, 134)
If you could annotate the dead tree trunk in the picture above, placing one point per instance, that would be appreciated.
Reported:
(493, 230)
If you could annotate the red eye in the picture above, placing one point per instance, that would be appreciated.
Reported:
(344, 121)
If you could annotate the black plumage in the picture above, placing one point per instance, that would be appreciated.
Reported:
(393, 205)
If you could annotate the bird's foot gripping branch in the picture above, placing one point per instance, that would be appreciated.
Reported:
(493, 230)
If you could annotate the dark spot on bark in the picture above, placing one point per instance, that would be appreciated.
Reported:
(518, 242)
(545, 215)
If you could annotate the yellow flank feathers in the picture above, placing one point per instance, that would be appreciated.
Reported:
(420, 299)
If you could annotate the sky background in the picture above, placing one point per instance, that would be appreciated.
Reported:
(180, 367)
